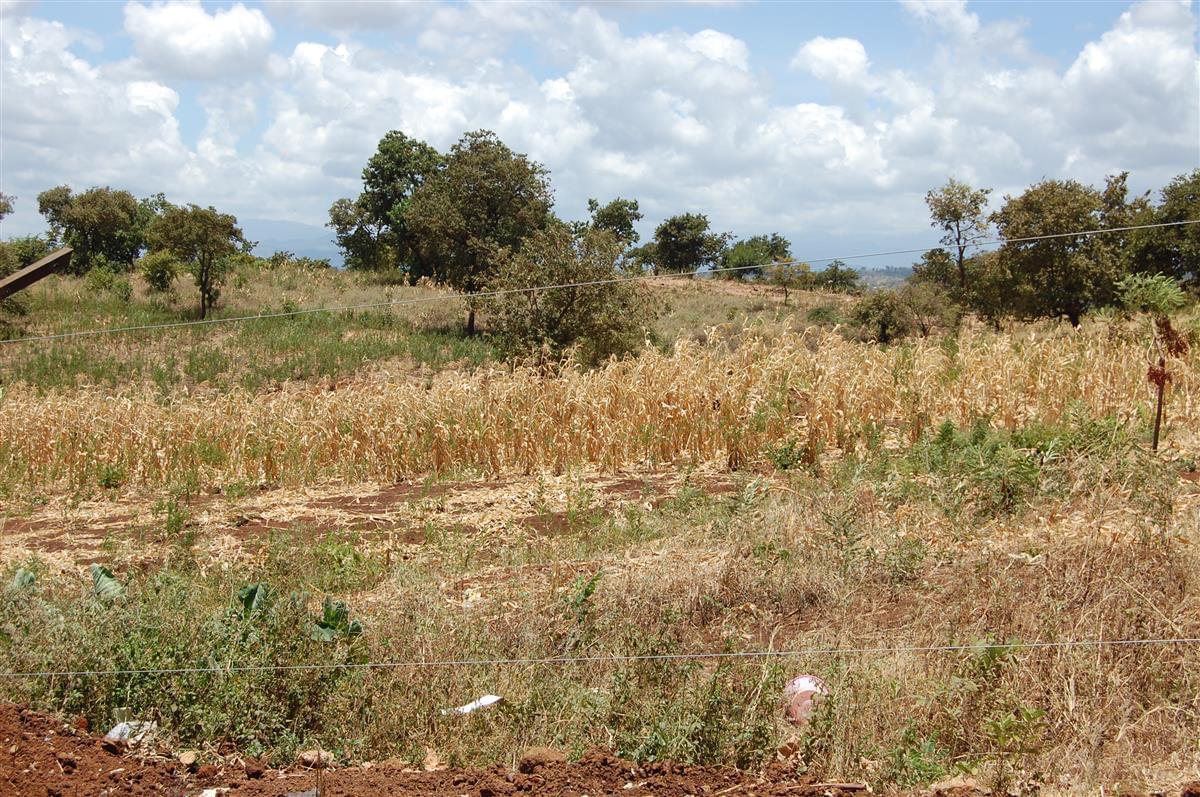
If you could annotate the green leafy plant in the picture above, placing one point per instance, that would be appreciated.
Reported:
(254, 599)
(111, 477)
(334, 623)
(22, 579)
(105, 586)
(159, 270)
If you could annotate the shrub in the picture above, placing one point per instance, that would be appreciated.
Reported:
(160, 269)
(882, 317)
(824, 314)
(102, 278)
(597, 320)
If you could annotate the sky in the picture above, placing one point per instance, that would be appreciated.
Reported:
(825, 122)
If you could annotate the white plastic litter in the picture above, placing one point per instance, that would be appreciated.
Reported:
(131, 732)
(475, 705)
(800, 697)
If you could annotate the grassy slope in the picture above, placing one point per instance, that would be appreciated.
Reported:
(421, 338)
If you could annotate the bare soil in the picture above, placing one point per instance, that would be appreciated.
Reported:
(42, 756)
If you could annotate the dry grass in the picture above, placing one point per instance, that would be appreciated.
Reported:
(882, 527)
(717, 403)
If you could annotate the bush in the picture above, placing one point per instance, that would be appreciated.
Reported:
(13, 305)
(597, 321)
(916, 309)
(931, 309)
(160, 269)
(27, 249)
(102, 278)
(824, 314)
(882, 317)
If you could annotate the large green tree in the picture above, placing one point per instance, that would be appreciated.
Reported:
(748, 257)
(618, 217)
(101, 225)
(205, 240)
(371, 230)
(477, 210)
(6, 205)
(684, 243)
(837, 277)
(1174, 251)
(960, 211)
(1065, 275)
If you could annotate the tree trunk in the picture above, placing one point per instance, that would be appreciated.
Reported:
(471, 322)
(1158, 409)
(962, 268)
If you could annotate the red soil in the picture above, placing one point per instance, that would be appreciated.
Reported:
(42, 756)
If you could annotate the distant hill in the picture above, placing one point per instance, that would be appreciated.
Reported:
(305, 240)
(887, 277)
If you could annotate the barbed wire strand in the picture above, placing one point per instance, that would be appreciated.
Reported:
(615, 658)
(562, 286)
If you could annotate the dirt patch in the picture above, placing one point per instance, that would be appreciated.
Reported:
(596, 773)
(70, 534)
(41, 756)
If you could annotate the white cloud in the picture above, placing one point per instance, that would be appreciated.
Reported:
(842, 60)
(183, 40)
(681, 120)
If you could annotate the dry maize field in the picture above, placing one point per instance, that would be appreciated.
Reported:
(909, 523)
(695, 406)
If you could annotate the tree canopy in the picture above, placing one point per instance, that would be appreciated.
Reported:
(618, 217)
(205, 240)
(746, 258)
(475, 210)
(371, 230)
(103, 225)
(683, 243)
(1057, 277)
(960, 211)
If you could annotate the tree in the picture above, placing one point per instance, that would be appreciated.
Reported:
(485, 200)
(642, 258)
(683, 243)
(838, 278)
(788, 275)
(1174, 251)
(1065, 275)
(6, 205)
(205, 241)
(359, 237)
(618, 217)
(961, 212)
(99, 224)
(746, 258)
(937, 267)
(371, 230)
(599, 320)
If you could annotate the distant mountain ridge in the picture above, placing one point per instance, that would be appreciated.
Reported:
(306, 240)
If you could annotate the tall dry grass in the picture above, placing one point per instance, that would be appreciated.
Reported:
(721, 403)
